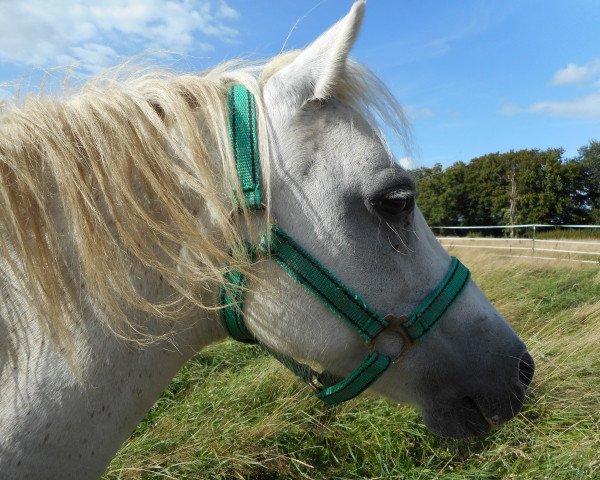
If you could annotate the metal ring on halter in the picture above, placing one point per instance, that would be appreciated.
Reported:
(395, 325)
(312, 378)
(319, 380)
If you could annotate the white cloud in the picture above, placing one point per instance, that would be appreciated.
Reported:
(92, 55)
(583, 107)
(407, 163)
(575, 74)
(94, 34)
(510, 109)
(413, 112)
(225, 11)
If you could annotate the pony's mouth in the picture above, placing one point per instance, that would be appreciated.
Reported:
(476, 415)
(463, 418)
(466, 417)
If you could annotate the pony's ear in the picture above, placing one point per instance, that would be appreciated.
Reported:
(314, 72)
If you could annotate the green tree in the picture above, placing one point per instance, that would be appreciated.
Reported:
(487, 182)
(542, 190)
(524, 186)
(431, 189)
(589, 160)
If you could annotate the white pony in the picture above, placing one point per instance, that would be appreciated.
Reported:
(116, 231)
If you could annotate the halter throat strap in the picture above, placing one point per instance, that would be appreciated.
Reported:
(316, 278)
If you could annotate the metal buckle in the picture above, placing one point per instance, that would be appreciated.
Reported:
(238, 211)
(312, 380)
(395, 325)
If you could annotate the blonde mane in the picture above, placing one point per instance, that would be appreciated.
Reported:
(130, 162)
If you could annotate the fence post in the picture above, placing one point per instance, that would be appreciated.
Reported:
(533, 241)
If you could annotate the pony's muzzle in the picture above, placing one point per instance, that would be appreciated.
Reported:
(500, 408)
(526, 369)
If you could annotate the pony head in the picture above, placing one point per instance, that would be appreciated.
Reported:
(337, 190)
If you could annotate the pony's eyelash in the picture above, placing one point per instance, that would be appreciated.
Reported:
(400, 194)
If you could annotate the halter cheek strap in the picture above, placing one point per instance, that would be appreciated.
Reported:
(316, 278)
(242, 136)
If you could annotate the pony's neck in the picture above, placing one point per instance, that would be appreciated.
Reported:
(75, 417)
(75, 425)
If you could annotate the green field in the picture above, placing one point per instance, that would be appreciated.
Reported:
(233, 412)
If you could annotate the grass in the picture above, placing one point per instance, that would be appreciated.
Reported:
(233, 412)
(569, 234)
(542, 233)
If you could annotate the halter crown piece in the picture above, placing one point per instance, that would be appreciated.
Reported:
(305, 269)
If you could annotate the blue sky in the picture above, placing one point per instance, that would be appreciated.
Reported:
(475, 76)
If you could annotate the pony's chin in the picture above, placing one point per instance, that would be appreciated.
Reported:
(460, 420)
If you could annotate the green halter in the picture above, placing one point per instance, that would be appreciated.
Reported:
(300, 265)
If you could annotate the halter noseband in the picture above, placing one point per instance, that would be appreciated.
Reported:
(305, 269)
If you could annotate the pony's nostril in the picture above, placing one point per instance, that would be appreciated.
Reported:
(526, 369)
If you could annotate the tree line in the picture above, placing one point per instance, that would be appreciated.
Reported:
(516, 187)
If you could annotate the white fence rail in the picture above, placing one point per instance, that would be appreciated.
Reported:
(581, 251)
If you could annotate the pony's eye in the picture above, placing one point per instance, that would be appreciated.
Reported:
(393, 206)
